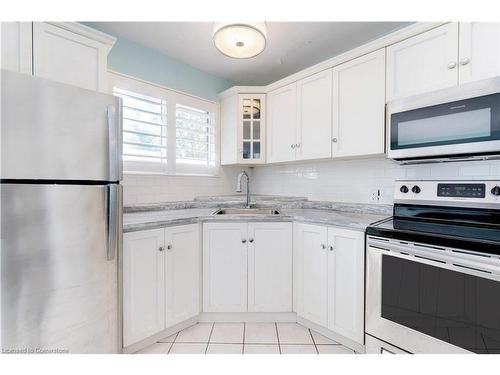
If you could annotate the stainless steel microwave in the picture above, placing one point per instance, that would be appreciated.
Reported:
(454, 124)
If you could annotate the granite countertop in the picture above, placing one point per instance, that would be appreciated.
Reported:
(350, 216)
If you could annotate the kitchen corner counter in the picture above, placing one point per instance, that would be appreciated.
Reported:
(350, 216)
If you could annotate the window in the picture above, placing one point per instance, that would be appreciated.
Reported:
(144, 127)
(195, 136)
(165, 131)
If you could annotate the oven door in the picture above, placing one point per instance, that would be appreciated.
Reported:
(440, 125)
(432, 300)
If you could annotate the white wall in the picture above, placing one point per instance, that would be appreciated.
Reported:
(356, 180)
(138, 188)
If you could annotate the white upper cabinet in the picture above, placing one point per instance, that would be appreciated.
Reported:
(479, 48)
(17, 47)
(229, 130)
(282, 124)
(314, 116)
(252, 130)
(243, 129)
(182, 273)
(66, 52)
(270, 267)
(346, 283)
(71, 53)
(359, 106)
(310, 272)
(225, 267)
(143, 285)
(423, 63)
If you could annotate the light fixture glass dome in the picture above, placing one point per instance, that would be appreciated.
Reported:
(240, 40)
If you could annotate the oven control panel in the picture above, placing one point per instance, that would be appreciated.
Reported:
(471, 193)
(461, 190)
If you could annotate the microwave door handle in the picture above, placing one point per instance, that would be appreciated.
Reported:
(114, 220)
(114, 122)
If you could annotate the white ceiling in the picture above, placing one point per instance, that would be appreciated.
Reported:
(291, 46)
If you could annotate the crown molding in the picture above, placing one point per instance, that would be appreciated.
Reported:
(382, 42)
(87, 32)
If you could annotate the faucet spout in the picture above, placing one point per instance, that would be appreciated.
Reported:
(238, 186)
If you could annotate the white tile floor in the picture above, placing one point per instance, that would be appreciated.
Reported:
(246, 338)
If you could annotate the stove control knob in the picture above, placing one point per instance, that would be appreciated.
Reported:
(404, 189)
(416, 189)
(495, 190)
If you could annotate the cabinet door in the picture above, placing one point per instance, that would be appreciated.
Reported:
(63, 56)
(182, 273)
(225, 267)
(359, 106)
(229, 122)
(346, 270)
(143, 285)
(479, 48)
(311, 272)
(251, 128)
(282, 124)
(423, 63)
(314, 113)
(270, 267)
(16, 46)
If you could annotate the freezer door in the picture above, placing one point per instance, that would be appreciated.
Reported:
(55, 131)
(59, 290)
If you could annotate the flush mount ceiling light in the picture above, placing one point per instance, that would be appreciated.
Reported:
(240, 40)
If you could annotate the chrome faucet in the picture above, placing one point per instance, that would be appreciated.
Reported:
(238, 187)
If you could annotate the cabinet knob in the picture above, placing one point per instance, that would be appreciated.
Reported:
(250, 240)
(292, 146)
(452, 65)
(330, 248)
(335, 140)
(323, 246)
(161, 248)
(169, 247)
(297, 145)
(243, 240)
(464, 61)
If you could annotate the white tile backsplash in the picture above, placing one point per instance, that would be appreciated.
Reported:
(139, 188)
(355, 180)
(331, 180)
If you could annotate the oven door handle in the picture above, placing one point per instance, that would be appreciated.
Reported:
(486, 267)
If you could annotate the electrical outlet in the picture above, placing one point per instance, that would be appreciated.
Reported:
(375, 195)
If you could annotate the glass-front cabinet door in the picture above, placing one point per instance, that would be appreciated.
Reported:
(251, 130)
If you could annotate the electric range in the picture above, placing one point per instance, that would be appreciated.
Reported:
(433, 269)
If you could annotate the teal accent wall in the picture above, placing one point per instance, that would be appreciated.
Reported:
(138, 61)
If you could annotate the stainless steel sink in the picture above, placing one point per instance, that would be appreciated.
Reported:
(247, 211)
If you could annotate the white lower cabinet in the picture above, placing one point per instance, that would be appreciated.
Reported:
(346, 289)
(182, 273)
(270, 267)
(329, 278)
(247, 267)
(258, 267)
(161, 280)
(224, 267)
(143, 285)
(311, 272)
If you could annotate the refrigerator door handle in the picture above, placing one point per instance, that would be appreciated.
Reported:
(114, 119)
(114, 220)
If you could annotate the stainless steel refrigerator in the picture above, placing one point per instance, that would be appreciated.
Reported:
(61, 217)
